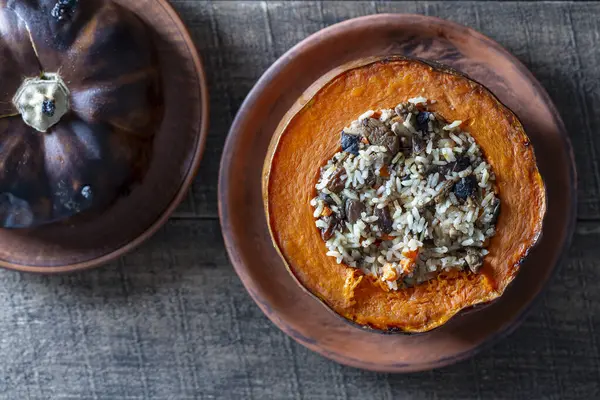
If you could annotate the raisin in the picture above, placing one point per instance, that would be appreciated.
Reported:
(350, 143)
(385, 221)
(462, 163)
(423, 121)
(465, 187)
(49, 107)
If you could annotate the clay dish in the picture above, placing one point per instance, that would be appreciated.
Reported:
(241, 205)
(88, 240)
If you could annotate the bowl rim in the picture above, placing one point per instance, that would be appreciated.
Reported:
(186, 183)
(225, 181)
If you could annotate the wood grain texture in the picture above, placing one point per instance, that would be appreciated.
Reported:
(172, 321)
(239, 40)
(88, 240)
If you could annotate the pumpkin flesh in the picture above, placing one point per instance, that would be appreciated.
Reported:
(310, 136)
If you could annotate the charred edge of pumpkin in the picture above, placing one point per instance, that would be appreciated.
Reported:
(289, 116)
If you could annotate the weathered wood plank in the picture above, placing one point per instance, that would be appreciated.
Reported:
(172, 321)
(239, 40)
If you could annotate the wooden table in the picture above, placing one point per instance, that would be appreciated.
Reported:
(172, 321)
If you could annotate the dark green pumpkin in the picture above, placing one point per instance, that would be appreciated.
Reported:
(103, 144)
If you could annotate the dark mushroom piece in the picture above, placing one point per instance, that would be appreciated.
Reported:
(354, 209)
(336, 184)
(379, 134)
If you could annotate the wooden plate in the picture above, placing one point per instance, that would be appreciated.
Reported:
(244, 224)
(89, 241)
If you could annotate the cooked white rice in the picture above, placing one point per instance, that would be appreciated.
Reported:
(426, 178)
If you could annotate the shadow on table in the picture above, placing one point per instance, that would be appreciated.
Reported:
(182, 276)
(575, 98)
(182, 251)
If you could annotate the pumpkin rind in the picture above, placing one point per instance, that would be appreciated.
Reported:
(309, 135)
(105, 55)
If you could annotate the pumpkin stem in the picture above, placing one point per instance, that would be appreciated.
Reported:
(42, 101)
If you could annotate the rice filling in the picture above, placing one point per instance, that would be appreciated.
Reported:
(408, 196)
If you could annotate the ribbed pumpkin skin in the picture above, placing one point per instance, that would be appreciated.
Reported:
(105, 55)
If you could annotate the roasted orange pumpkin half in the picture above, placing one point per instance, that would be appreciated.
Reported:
(481, 158)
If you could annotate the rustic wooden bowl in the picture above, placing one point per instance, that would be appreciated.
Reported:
(241, 205)
(89, 240)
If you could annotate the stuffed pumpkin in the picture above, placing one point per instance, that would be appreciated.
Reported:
(400, 192)
(80, 101)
